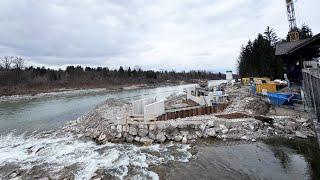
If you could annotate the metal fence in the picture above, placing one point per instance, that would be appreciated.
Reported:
(311, 88)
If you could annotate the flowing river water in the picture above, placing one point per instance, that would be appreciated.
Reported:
(27, 154)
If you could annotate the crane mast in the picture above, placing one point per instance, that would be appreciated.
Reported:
(293, 32)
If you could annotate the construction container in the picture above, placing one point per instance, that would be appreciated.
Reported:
(246, 81)
(229, 76)
(266, 87)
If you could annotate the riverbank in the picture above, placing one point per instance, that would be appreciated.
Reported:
(49, 93)
(247, 118)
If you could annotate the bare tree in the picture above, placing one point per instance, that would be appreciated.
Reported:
(6, 62)
(18, 63)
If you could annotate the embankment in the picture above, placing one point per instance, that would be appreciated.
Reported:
(247, 118)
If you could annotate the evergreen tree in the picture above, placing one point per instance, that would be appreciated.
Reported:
(129, 72)
(305, 32)
(258, 58)
(271, 36)
(121, 71)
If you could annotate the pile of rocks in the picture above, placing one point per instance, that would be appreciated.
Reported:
(281, 126)
(173, 130)
(248, 105)
(107, 123)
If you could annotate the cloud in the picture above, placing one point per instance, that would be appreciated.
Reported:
(160, 34)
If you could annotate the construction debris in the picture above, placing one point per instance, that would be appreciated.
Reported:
(242, 120)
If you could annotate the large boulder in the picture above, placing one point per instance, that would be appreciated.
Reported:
(202, 127)
(161, 137)
(143, 131)
(211, 132)
(102, 137)
(119, 128)
(152, 135)
(184, 139)
(129, 138)
(178, 138)
(137, 139)
(133, 130)
(152, 127)
(171, 132)
(270, 131)
(302, 120)
(210, 124)
(300, 135)
(246, 138)
(192, 135)
(291, 125)
(146, 140)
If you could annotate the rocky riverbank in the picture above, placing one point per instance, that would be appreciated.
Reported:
(247, 118)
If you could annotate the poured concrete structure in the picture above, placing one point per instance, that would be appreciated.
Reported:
(148, 108)
(205, 97)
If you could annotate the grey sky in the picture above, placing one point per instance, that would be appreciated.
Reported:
(153, 34)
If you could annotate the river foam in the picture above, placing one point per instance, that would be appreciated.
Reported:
(67, 156)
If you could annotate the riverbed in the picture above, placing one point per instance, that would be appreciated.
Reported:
(24, 154)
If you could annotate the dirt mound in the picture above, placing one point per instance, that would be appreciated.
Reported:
(248, 105)
(258, 106)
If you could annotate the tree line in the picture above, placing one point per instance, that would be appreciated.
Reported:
(15, 78)
(257, 58)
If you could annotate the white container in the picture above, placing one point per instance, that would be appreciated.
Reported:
(229, 77)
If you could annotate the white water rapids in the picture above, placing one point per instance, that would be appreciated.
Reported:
(58, 156)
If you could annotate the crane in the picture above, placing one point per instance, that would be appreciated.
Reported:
(293, 30)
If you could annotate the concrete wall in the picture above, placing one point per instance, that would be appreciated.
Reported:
(138, 106)
(311, 89)
(149, 108)
(216, 97)
(213, 83)
(153, 110)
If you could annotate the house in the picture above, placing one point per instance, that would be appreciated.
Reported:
(295, 53)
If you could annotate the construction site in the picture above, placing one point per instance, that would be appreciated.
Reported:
(247, 109)
(260, 120)
(235, 113)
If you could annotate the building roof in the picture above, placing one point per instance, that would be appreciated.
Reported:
(289, 47)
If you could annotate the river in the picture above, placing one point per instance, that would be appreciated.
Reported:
(48, 113)
(31, 156)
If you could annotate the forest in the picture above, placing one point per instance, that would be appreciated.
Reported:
(15, 78)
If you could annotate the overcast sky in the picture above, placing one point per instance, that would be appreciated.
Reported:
(152, 34)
